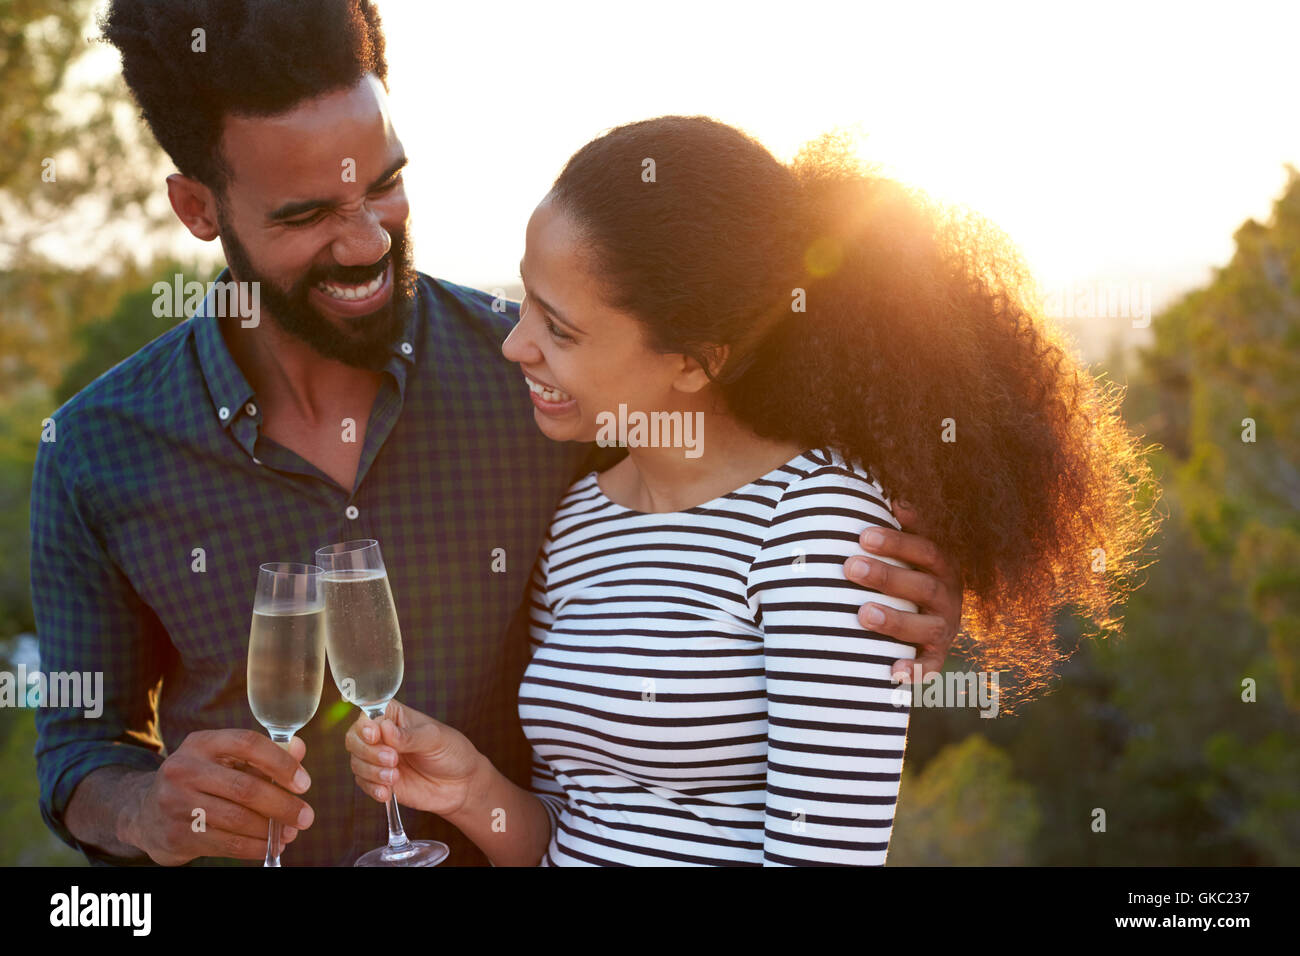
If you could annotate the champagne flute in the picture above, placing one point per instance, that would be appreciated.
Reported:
(365, 656)
(286, 658)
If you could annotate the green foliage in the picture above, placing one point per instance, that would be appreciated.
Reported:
(1231, 351)
(131, 326)
(964, 809)
(105, 165)
(20, 427)
(24, 838)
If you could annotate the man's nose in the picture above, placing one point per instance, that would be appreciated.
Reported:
(363, 242)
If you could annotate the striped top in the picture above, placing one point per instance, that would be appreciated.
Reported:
(700, 691)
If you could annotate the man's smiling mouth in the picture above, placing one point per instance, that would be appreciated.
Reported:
(344, 291)
(356, 298)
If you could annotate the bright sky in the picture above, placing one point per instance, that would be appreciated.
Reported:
(1115, 142)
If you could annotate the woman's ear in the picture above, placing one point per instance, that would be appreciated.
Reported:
(692, 377)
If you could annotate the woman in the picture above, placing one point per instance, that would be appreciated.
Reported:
(700, 690)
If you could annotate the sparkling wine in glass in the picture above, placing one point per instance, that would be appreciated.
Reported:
(286, 658)
(365, 657)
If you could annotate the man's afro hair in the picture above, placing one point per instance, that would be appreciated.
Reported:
(259, 58)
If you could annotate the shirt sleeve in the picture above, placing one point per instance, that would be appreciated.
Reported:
(543, 785)
(89, 621)
(835, 736)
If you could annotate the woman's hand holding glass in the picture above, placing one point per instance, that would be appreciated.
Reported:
(431, 766)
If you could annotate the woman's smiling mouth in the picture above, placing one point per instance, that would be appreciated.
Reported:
(548, 398)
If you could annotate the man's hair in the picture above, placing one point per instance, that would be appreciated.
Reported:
(258, 58)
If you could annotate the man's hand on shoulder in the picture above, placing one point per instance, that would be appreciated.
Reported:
(933, 584)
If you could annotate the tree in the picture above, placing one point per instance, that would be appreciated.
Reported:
(76, 159)
(1231, 351)
(964, 809)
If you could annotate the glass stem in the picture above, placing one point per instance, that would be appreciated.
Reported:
(274, 830)
(396, 835)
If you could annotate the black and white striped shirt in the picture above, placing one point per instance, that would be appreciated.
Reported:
(700, 690)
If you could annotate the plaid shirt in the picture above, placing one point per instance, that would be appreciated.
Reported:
(162, 456)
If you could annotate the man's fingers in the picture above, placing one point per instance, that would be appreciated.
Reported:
(265, 799)
(223, 815)
(916, 671)
(236, 846)
(909, 548)
(922, 589)
(258, 750)
(907, 516)
(927, 631)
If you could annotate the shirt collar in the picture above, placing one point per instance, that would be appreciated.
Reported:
(230, 392)
(227, 387)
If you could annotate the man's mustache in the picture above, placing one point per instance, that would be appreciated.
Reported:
(359, 275)
(352, 275)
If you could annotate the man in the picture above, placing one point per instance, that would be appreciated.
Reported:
(363, 400)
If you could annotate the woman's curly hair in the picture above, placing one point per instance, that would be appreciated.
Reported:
(920, 354)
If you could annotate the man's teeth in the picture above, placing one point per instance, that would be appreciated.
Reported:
(547, 393)
(339, 291)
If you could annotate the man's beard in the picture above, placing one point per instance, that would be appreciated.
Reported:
(370, 345)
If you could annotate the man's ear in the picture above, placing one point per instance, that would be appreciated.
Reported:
(195, 206)
(692, 377)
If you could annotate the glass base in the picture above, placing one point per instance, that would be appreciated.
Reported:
(415, 853)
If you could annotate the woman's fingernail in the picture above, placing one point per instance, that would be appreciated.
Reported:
(369, 734)
(305, 817)
(859, 568)
(300, 780)
(875, 615)
(386, 776)
(874, 539)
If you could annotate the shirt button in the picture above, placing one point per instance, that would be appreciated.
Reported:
(352, 511)
(223, 413)
(250, 408)
(406, 348)
(257, 461)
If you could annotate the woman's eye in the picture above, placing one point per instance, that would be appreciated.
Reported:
(555, 331)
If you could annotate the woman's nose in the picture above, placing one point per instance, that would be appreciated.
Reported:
(519, 347)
